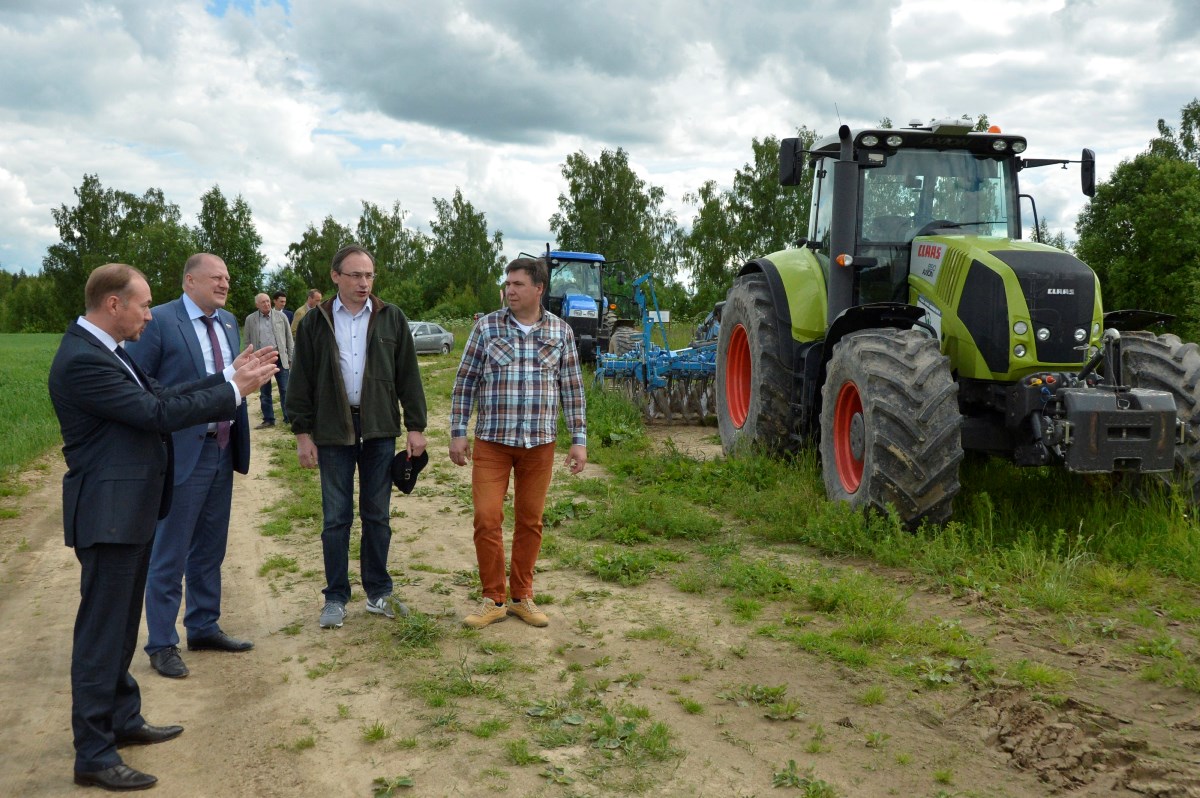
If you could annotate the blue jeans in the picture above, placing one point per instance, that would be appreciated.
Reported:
(373, 458)
(264, 397)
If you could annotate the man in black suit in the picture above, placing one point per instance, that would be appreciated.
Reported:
(115, 423)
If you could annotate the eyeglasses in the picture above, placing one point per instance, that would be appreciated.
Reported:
(368, 276)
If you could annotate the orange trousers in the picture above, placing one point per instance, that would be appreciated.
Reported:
(531, 469)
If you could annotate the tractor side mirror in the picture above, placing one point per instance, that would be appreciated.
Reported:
(1087, 172)
(789, 162)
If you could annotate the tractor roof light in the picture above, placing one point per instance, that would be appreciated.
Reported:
(869, 140)
(894, 140)
(999, 145)
(1018, 146)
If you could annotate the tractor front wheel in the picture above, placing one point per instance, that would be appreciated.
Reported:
(1164, 363)
(754, 387)
(890, 425)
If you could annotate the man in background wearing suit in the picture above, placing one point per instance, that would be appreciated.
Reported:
(267, 326)
(190, 338)
(114, 421)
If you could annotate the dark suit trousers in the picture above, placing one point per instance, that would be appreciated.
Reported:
(190, 542)
(105, 700)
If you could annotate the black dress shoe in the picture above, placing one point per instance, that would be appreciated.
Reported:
(149, 735)
(168, 662)
(118, 777)
(218, 642)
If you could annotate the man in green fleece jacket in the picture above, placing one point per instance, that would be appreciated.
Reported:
(355, 367)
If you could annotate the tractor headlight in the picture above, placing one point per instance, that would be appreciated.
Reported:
(1018, 147)
(1081, 335)
(999, 145)
(894, 141)
(1095, 328)
(869, 140)
(1043, 334)
(1019, 350)
(1020, 328)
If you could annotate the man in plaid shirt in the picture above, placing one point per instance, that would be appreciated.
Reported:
(518, 366)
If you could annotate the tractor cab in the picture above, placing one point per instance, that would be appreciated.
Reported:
(911, 183)
(574, 295)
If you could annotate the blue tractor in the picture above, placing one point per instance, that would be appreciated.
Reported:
(575, 294)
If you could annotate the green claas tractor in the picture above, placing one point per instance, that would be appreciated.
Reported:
(913, 324)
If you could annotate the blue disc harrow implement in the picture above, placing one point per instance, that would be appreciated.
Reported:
(674, 385)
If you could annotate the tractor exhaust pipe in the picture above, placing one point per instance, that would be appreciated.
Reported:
(841, 228)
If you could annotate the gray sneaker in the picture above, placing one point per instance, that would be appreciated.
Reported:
(388, 606)
(333, 615)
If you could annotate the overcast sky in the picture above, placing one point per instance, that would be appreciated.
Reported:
(308, 107)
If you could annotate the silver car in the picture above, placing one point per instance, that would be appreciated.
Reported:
(430, 337)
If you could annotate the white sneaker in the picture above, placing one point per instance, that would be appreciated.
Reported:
(387, 606)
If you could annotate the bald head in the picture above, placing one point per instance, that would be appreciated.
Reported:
(206, 281)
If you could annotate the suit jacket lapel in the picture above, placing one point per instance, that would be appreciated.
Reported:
(187, 330)
(141, 375)
(86, 336)
(229, 324)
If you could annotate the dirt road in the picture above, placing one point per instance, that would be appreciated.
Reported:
(312, 712)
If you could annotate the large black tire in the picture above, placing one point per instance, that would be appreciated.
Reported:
(754, 388)
(623, 340)
(890, 425)
(1164, 363)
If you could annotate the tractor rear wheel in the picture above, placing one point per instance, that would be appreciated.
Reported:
(1164, 363)
(890, 425)
(754, 386)
(623, 340)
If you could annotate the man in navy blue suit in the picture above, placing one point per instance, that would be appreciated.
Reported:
(114, 421)
(189, 339)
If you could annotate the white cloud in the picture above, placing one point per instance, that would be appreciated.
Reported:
(308, 109)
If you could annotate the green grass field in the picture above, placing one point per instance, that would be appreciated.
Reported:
(26, 415)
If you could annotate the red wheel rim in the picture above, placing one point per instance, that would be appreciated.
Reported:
(737, 376)
(846, 411)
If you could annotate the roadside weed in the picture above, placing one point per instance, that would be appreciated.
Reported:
(384, 787)
(375, 732)
(278, 562)
(872, 696)
(518, 753)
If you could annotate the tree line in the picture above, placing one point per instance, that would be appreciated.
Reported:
(1141, 233)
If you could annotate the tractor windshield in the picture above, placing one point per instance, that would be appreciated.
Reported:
(575, 277)
(917, 192)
